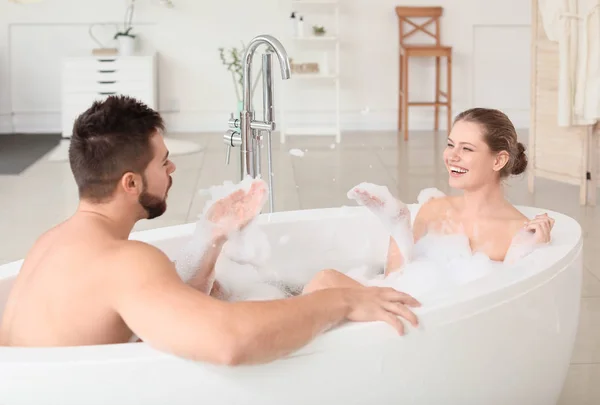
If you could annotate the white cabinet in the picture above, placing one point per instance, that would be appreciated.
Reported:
(89, 78)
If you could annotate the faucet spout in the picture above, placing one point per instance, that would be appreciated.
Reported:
(279, 51)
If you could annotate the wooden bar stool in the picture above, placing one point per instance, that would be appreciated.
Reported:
(437, 50)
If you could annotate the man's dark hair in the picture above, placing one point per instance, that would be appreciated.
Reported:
(110, 139)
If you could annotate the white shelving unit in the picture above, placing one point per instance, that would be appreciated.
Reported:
(329, 77)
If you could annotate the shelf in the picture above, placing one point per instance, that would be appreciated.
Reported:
(327, 131)
(313, 76)
(328, 79)
(314, 2)
(316, 38)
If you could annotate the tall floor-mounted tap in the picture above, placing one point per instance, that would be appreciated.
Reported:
(247, 132)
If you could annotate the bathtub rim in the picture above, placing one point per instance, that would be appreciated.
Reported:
(125, 352)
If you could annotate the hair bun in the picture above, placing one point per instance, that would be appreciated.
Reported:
(520, 164)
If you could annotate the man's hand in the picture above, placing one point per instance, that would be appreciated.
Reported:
(236, 210)
(381, 304)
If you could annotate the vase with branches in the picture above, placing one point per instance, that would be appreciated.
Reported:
(125, 37)
(232, 58)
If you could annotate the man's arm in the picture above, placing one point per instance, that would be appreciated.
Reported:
(171, 316)
(195, 262)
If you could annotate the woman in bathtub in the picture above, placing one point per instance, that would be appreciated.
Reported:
(482, 151)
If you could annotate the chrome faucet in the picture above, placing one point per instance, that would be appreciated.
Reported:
(245, 131)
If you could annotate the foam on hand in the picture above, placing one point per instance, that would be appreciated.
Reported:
(240, 269)
(221, 191)
(393, 213)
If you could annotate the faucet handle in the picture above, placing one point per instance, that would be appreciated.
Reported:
(228, 155)
(233, 122)
(231, 138)
(262, 126)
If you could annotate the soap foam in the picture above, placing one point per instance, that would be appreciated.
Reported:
(245, 282)
(393, 213)
(188, 259)
(438, 262)
(221, 191)
(248, 245)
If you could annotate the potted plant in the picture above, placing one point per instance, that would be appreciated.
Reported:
(232, 59)
(126, 41)
(124, 37)
(318, 30)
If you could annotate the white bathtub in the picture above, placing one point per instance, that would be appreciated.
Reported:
(503, 339)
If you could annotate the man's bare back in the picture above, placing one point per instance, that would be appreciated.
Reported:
(63, 292)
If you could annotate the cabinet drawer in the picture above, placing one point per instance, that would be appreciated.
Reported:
(82, 101)
(103, 86)
(104, 75)
(109, 63)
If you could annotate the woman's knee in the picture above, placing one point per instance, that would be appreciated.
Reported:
(323, 279)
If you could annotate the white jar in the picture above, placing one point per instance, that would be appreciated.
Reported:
(301, 27)
(126, 45)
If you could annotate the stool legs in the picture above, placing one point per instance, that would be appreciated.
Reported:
(400, 91)
(403, 102)
(405, 95)
(436, 125)
(449, 93)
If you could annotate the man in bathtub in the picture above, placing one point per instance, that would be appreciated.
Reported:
(85, 283)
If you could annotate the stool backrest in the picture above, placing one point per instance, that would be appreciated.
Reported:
(407, 13)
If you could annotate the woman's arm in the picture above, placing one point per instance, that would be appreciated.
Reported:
(533, 234)
(395, 257)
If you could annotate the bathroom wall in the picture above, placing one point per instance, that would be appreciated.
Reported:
(490, 67)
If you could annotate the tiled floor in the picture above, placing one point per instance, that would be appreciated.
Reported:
(45, 194)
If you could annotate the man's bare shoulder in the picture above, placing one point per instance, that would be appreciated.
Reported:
(137, 255)
(137, 266)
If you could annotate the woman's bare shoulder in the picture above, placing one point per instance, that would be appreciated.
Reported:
(513, 220)
(437, 206)
(430, 213)
(513, 217)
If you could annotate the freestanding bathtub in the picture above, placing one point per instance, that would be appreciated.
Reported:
(504, 339)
